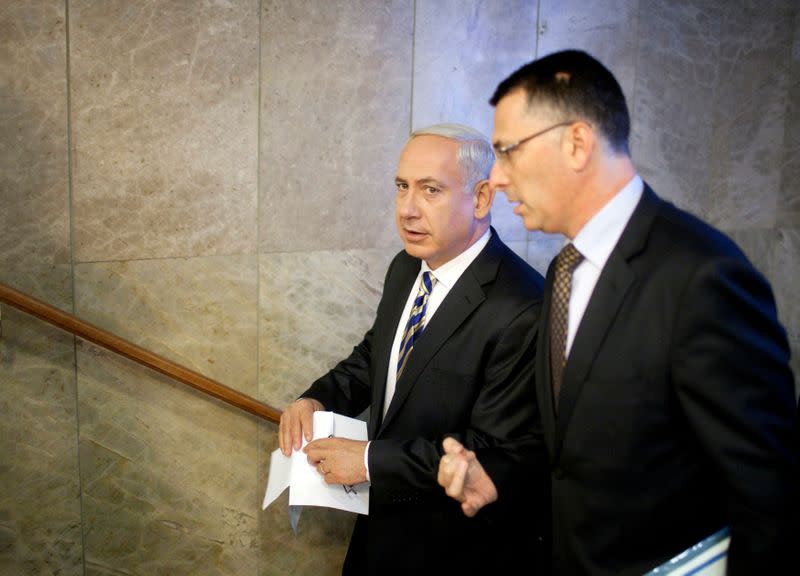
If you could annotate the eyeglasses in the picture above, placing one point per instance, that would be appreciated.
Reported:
(505, 151)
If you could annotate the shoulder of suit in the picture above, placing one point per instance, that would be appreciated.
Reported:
(516, 277)
(403, 263)
(691, 236)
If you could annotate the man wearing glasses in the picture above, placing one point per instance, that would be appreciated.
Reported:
(662, 373)
(451, 351)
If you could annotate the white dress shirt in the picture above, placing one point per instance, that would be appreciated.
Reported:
(595, 241)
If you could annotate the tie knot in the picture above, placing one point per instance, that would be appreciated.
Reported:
(568, 258)
(428, 281)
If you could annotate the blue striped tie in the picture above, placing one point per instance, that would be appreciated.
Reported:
(416, 321)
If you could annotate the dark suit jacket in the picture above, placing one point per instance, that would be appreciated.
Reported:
(470, 375)
(676, 414)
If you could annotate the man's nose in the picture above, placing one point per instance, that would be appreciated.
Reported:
(407, 204)
(498, 180)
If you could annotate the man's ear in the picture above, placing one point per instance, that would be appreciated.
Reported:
(579, 144)
(482, 198)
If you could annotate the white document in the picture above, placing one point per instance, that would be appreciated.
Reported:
(307, 486)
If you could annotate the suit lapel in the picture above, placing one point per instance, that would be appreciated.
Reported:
(606, 299)
(463, 298)
(398, 285)
(613, 285)
(544, 388)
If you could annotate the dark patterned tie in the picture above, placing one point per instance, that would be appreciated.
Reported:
(416, 321)
(566, 261)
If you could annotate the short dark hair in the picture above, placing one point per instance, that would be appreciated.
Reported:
(575, 83)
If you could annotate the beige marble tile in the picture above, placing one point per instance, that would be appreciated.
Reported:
(164, 128)
(34, 205)
(673, 104)
(507, 224)
(40, 515)
(542, 248)
(519, 247)
(167, 474)
(198, 312)
(335, 105)
(747, 146)
(462, 50)
(169, 478)
(758, 246)
(607, 29)
(789, 199)
(314, 308)
(40, 522)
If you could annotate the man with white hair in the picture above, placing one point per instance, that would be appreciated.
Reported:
(450, 353)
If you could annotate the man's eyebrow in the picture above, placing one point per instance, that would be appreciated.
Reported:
(431, 180)
(425, 180)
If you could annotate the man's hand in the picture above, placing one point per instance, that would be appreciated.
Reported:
(296, 422)
(339, 460)
(464, 479)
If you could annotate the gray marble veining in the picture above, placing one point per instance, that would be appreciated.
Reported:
(462, 50)
(164, 128)
(40, 515)
(335, 99)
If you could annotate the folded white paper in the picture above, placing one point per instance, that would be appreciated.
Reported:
(307, 486)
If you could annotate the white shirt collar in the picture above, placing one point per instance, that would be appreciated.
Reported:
(449, 272)
(599, 235)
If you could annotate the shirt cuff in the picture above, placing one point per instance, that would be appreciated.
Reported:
(366, 459)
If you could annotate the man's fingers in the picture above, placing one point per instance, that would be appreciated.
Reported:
(455, 487)
(313, 455)
(469, 509)
(318, 450)
(307, 421)
(306, 414)
(296, 421)
(452, 446)
(447, 468)
(285, 434)
(297, 431)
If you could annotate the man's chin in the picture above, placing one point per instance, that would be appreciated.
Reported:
(415, 250)
(533, 224)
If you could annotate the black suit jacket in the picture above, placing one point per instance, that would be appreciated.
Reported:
(676, 413)
(470, 375)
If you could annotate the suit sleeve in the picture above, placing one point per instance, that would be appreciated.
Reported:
(729, 364)
(505, 431)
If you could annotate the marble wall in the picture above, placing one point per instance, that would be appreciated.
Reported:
(213, 181)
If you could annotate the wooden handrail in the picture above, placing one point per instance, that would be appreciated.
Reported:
(136, 353)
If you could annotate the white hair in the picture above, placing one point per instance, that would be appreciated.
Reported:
(475, 155)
